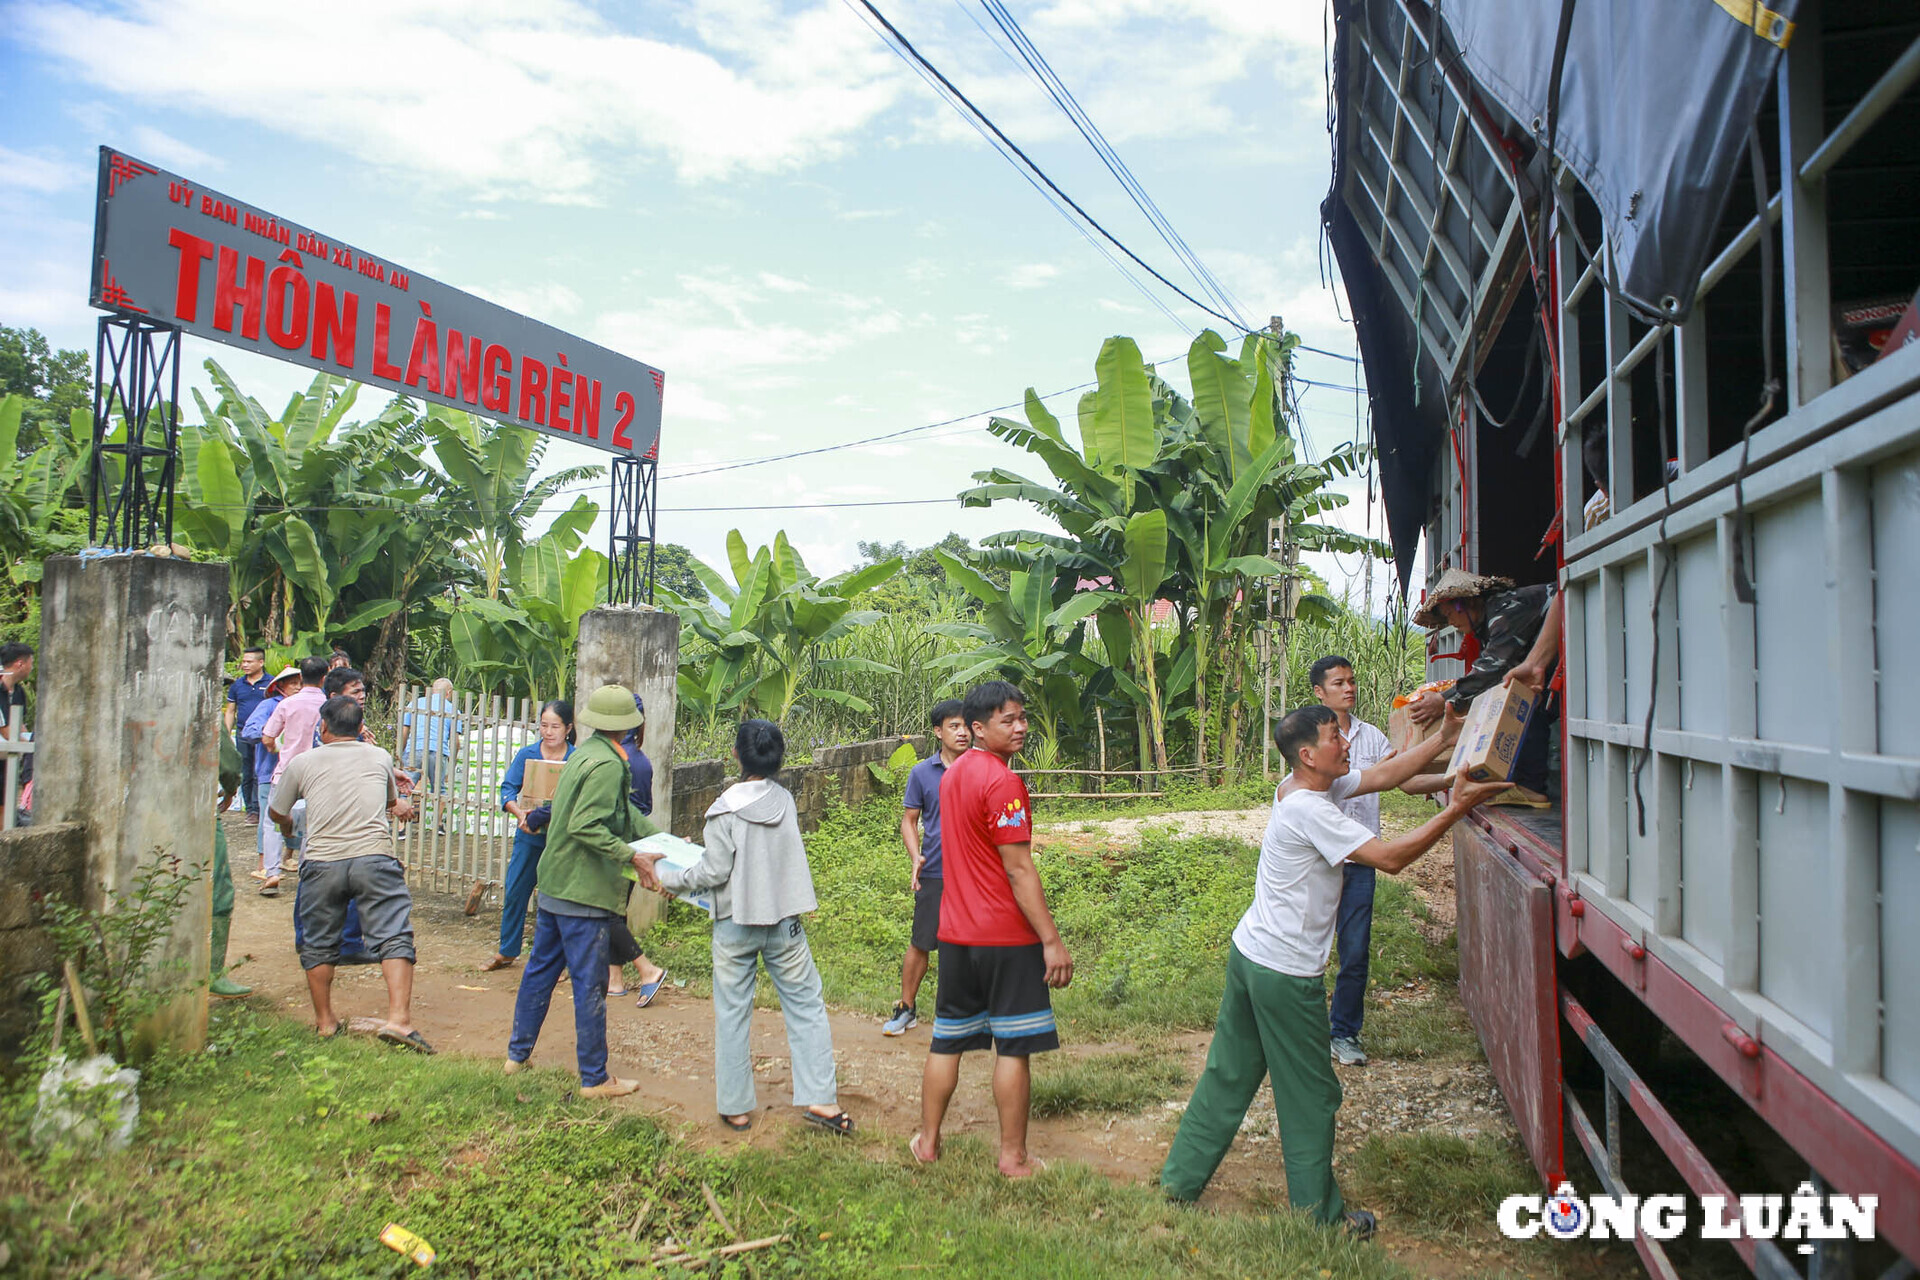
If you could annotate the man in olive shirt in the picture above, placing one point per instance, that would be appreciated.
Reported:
(348, 857)
(584, 880)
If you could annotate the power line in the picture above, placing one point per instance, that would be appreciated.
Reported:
(1153, 299)
(907, 45)
(1063, 97)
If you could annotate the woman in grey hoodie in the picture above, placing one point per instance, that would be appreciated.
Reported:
(755, 865)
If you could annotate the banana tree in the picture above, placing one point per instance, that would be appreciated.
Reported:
(493, 494)
(1032, 632)
(764, 637)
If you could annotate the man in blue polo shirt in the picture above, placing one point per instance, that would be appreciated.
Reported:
(243, 695)
(920, 831)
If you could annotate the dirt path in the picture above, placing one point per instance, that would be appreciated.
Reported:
(669, 1046)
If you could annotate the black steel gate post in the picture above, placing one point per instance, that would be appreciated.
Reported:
(636, 501)
(137, 373)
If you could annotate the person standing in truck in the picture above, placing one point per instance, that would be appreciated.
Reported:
(1508, 623)
(1337, 690)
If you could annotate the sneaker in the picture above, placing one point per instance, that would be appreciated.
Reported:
(1348, 1053)
(1360, 1224)
(904, 1019)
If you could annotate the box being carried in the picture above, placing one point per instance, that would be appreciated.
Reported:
(680, 854)
(539, 779)
(1402, 732)
(1490, 739)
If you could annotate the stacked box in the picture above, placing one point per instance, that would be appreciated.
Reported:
(1490, 739)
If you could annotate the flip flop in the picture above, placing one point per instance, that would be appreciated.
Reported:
(913, 1149)
(499, 962)
(412, 1040)
(648, 990)
(615, 991)
(841, 1124)
(738, 1126)
(339, 1030)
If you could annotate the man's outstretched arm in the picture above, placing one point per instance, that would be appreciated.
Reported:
(1396, 855)
(1410, 761)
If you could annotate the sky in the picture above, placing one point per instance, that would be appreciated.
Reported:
(762, 199)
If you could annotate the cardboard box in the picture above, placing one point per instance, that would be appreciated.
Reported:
(539, 780)
(680, 854)
(1490, 739)
(1402, 732)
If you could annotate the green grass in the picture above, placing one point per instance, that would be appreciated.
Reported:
(276, 1154)
(1148, 926)
(1125, 1081)
(1438, 1182)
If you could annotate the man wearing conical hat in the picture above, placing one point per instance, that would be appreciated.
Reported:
(1518, 629)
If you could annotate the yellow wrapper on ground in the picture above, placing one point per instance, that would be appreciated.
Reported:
(1490, 739)
(404, 1242)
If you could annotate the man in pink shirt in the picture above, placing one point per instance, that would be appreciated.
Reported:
(289, 731)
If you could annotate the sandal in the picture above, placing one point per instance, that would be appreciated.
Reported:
(648, 990)
(738, 1126)
(841, 1124)
(339, 1031)
(498, 963)
(411, 1040)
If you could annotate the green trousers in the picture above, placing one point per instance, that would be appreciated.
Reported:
(222, 873)
(1271, 1026)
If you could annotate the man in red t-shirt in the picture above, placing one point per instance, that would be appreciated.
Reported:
(999, 949)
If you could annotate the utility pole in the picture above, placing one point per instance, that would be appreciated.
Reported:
(1282, 595)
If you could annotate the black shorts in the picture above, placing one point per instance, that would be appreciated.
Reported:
(994, 996)
(926, 914)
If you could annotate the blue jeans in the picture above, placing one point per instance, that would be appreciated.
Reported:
(249, 785)
(579, 944)
(789, 961)
(523, 868)
(1354, 926)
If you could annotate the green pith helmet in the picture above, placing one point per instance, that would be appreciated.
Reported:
(610, 707)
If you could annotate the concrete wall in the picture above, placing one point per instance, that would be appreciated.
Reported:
(840, 771)
(126, 739)
(35, 863)
(638, 647)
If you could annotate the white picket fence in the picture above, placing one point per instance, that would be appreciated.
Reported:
(14, 751)
(459, 837)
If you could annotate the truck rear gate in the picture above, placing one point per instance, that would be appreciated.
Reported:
(1739, 846)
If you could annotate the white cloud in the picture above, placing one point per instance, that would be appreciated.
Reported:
(1030, 275)
(150, 143)
(537, 101)
(781, 284)
(22, 172)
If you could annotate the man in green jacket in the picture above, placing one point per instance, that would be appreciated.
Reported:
(585, 876)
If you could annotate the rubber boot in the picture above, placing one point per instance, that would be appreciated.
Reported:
(223, 986)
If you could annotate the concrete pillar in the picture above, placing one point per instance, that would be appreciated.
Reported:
(127, 736)
(639, 648)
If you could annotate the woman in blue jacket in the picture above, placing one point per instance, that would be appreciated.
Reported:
(555, 743)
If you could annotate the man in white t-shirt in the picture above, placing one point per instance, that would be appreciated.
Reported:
(1273, 1016)
(1337, 690)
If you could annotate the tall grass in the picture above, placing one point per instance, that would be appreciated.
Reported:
(1388, 659)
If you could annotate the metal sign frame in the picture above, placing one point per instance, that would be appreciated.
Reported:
(171, 258)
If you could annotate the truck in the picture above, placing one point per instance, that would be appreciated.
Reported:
(1634, 289)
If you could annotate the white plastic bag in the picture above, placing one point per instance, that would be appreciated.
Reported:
(91, 1103)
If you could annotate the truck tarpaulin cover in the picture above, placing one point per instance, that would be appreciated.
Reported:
(1656, 99)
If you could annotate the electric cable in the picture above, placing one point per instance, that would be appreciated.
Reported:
(903, 43)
